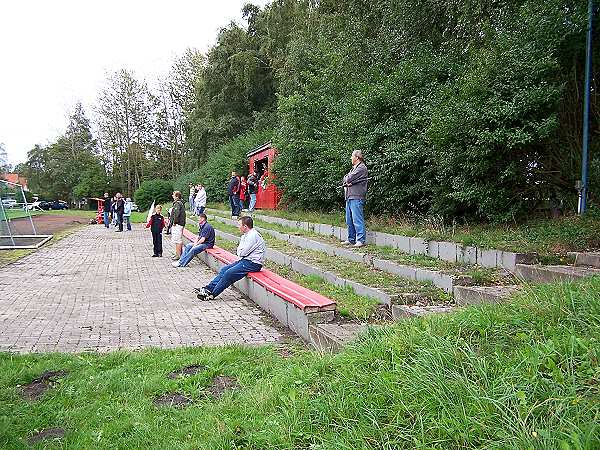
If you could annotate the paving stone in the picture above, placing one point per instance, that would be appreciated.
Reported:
(100, 290)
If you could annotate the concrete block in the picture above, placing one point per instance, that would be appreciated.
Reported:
(473, 295)
(304, 268)
(487, 258)
(278, 257)
(447, 251)
(371, 237)
(402, 243)
(467, 255)
(418, 246)
(332, 278)
(298, 322)
(278, 307)
(367, 291)
(426, 275)
(395, 269)
(444, 282)
(324, 229)
(433, 249)
(350, 255)
(382, 240)
(320, 317)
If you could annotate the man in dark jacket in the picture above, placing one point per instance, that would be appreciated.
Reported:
(355, 191)
(106, 211)
(233, 190)
(120, 210)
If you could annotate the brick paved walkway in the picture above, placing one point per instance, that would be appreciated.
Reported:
(101, 290)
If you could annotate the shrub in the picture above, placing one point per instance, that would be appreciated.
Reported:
(158, 191)
(215, 173)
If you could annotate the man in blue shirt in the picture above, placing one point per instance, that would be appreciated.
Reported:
(205, 239)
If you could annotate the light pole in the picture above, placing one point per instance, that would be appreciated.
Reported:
(583, 184)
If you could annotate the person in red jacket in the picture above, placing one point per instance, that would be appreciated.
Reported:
(243, 192)
(156, 225)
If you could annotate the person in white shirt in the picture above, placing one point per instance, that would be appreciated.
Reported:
(200, 200)
(251, 251)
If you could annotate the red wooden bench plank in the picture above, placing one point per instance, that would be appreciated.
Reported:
(289, 291)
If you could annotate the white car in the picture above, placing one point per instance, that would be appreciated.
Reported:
(9, 202)
(134, 207)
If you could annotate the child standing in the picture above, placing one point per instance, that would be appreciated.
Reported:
(127, 213)
(156, 225)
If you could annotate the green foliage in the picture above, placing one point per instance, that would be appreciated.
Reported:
(159, 191)
(216, 172)
(93, 182)
(466, 123)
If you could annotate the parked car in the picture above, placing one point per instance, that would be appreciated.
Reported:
(9, 202)
(59, 204)
(134, 207)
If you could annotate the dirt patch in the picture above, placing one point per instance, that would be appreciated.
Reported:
(45, 224)
(173, 399)
(48, 433)
(187, 371)
(37, 388)
(221, 384)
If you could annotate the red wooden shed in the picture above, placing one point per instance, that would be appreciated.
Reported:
(261, 161)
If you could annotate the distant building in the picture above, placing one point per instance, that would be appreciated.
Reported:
(15, 178)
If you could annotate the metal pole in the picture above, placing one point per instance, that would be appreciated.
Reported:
(27, 211)
(582, 206)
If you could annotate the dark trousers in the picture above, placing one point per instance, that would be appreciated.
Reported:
(120, 220)
(157, 243)
(234, 202)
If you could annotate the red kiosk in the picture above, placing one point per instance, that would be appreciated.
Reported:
(261, 161)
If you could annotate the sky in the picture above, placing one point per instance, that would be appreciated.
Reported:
(56, 53)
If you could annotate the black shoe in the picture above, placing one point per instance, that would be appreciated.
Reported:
(155, 256)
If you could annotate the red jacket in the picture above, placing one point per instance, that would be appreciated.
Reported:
(243, 190)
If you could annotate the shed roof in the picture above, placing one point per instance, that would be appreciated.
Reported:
(259, 149)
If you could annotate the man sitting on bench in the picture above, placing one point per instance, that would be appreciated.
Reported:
(205, 239)
(251, 251)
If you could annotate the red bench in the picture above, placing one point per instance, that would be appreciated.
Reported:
(301, 297)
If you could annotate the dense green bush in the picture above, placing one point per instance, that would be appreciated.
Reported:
(216, 172)
(462, 123)
(158, 191)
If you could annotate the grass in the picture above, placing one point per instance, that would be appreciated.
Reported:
(522, 375)
(351, 270)
(481, 276)
(547, 237)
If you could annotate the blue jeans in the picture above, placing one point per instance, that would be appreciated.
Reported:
(127, 220)
(252, 202)
(189, 251)
(230, 274)
(355, 220)
(106, 219)
(234, 202)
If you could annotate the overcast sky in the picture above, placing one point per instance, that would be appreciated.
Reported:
(55, 53)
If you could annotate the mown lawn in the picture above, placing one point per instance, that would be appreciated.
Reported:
(521, 375)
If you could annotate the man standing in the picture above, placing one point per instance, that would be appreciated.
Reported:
(251, 251)
(200, 200)
(205, 239)
(191, 198)
(355, 192)
(178, 221)
(120, 210)
(233, 190)
(106, 210)
(252, 187)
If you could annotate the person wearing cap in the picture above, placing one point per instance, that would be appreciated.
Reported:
(355, 192)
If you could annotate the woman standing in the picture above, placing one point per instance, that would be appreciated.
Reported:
(243, 192)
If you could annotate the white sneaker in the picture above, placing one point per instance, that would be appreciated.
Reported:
(175, 263)
(347, 242)
(359, 244)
